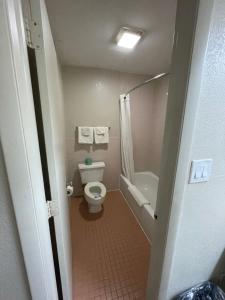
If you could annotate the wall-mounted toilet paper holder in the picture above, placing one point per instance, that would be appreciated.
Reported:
(69, 189)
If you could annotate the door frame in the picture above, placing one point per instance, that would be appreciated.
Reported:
(21, 154)
(180, 107)
(22, 158)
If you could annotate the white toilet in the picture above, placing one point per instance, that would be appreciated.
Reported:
(94, 190)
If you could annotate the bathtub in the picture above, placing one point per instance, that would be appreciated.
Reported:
(145, 187)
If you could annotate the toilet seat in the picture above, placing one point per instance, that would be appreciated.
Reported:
(94, 193)
(95, 190)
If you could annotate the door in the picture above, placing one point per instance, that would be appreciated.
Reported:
(52, 111)
(21, 154)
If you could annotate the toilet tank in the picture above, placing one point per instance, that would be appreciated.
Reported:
(93, 172)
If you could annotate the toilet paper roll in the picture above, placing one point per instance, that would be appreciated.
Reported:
(69, 190)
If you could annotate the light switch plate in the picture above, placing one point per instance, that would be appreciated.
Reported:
(200, 170)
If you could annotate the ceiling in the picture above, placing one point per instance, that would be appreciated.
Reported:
(84, 33)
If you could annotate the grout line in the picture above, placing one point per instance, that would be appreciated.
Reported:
(116, 190)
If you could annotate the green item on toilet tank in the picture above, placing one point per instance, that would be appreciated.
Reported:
(88, 161)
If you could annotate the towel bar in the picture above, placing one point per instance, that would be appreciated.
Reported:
(96, 126)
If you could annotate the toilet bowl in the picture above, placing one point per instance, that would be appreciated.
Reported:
(94, 190)
(94, 193)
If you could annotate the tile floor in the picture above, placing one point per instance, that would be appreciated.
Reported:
(110, 251)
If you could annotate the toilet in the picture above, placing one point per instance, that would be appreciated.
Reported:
(94, 190)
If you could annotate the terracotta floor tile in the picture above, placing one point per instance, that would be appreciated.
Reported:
(110, 251)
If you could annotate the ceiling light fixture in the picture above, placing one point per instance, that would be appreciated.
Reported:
(128, 38)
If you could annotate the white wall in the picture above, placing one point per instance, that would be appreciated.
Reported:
(13, 277)
(200, 241)
(195, 241)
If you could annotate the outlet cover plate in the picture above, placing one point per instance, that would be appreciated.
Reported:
(200, 170)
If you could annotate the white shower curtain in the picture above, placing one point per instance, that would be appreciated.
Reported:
(126, 138)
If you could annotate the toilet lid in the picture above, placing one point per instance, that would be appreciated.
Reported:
(95, 190)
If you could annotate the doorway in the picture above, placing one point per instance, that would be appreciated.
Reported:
(49, 171)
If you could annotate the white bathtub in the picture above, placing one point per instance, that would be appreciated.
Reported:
(147, 184)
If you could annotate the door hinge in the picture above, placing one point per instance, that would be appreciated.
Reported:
(28, 32)
(52, 208)
(33, 34)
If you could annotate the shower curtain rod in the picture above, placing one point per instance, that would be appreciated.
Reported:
(145, 82)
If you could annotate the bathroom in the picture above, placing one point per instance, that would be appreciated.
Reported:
(125, 206)
(91, 100)
(112, 148)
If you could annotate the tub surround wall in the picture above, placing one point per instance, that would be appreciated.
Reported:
(148, 112)
(141, 103)
(91, 99)
(158, 122)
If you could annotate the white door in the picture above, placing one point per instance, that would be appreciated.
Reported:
(52, 107)
(21, 153)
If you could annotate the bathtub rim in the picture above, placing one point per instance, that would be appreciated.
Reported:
(144, 173)
(148, 207)
(142, 214)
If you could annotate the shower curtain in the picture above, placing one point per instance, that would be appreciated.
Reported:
(126, 138)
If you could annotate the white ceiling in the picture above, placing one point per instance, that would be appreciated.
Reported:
(84, 32)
